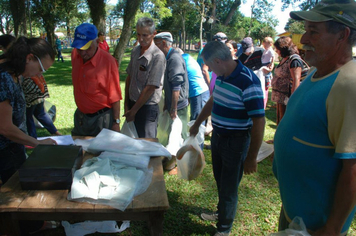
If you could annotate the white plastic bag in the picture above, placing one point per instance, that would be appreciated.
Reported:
(296, 228)
(164, 121)
(190, 159)
(129, 129)
(175, 140)
(89, 227)
(201, 134)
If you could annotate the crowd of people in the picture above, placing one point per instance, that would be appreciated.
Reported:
(315, 156)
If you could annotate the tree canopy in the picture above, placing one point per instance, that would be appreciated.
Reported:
(188, 20)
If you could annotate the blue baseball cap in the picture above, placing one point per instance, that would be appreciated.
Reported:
(84, 36)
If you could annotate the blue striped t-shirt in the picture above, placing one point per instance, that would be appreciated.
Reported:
(237, 98)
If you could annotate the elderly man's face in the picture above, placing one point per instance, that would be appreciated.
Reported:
(320, 45)
(90, 52)
(144, 36)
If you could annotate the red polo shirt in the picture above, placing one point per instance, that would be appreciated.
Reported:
(96, 83)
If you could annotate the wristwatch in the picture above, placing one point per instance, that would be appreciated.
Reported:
(117, 121)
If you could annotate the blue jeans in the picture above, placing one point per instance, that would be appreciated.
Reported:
(197, 103)
(39, 112)
(228, 156)
(11, 158)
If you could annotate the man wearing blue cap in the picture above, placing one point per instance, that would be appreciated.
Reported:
(315, 151)
(96, 84)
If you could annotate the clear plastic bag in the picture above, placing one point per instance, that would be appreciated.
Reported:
(129, 129)
(175, 140)
(296, 228)
(190, 159)
(164, 121)
(201, 134)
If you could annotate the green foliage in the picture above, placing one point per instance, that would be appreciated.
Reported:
(7, 25)
(297, 27)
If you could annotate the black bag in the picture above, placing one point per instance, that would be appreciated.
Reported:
(50, 167)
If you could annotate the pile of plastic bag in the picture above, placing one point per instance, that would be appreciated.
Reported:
(118, 174)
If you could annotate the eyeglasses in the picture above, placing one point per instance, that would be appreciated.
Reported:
(39, 61)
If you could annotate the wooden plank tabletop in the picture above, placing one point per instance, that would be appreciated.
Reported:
(14, 199)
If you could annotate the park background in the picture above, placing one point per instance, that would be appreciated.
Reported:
(190, 22)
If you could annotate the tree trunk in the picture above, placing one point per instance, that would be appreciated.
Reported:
(18, 11)
(98, 14)
(183, 33)
(232, 10)
(129, 18)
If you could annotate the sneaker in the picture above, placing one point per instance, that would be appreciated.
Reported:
(221, 234)
(209, 217)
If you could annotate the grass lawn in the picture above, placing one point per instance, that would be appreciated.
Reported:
(259, 201)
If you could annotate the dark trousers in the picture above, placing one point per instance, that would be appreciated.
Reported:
(11, 158)
(146, 120)
(228, 156)
(41, 115)
(60, 55)
(85, 125)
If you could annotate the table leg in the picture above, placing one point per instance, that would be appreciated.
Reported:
(155, 223)
(9, 226)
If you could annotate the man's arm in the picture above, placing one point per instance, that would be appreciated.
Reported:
(344, 201)
(116, 115)
(127, 93)
(143, 98)
(204, 114)
(205, 71)
(257, 132)
(175, 97)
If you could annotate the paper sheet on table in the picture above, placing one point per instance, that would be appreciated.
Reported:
(61, 140)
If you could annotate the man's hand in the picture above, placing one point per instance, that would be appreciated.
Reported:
(116, 127)
(173, 114)
(325, 232)
(250, 165)
(194, 129)
(130, 115)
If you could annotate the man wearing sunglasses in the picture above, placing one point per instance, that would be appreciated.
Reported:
(96, 84)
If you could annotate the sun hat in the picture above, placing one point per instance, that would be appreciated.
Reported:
(342, 11)
(84, 36)
(164, 35)
(247, 44)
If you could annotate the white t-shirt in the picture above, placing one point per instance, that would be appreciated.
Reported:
(267, 55)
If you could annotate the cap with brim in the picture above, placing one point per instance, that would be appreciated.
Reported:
(84, 36)
(165, 36)
(343, 12)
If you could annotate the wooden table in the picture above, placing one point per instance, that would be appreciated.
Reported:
(17, 204)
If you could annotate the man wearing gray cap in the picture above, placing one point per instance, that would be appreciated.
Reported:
(175, 85)
(315, 151)
(144, 81)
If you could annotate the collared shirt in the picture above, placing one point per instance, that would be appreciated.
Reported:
(237, 98)
(96, 83)
(146, 69)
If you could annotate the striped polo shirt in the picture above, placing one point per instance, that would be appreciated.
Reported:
(237, 98)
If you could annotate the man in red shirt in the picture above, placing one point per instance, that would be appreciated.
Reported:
(102, 42)
(96, 84)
